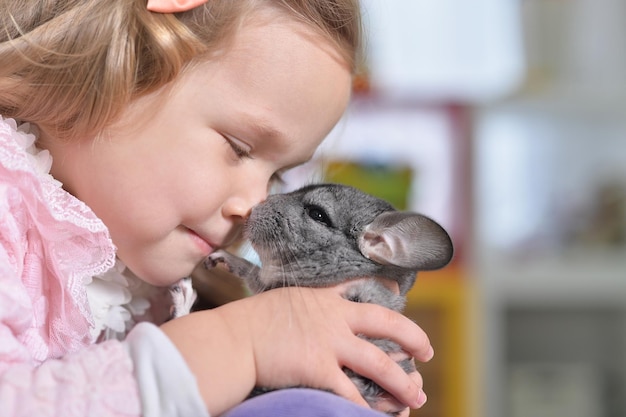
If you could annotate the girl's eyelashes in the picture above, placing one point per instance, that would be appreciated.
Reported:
(240, 149)
(243, 151)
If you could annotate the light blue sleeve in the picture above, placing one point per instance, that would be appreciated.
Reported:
(166, 385)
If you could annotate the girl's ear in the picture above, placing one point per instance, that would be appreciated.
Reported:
(406, 240)
(173, 6)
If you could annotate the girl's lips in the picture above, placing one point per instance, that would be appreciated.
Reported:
(205, 247)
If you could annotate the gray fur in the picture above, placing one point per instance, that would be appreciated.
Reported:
(325, 234)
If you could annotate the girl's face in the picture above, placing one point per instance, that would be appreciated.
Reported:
(175, 179)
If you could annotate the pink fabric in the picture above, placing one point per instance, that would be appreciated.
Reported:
(50, 244)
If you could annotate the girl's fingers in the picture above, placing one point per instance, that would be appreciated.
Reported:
(404, 413)
(379, 322)
(345, 388)
(373, 363)
(417, 378)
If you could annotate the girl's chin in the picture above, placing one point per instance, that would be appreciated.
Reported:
(163, 274)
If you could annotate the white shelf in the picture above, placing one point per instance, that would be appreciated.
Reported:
(584, 277)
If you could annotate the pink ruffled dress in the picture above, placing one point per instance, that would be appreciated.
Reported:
(51, 248)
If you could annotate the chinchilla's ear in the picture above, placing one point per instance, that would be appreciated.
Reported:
(407, 240)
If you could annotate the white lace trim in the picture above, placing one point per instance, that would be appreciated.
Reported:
(63, 206)
(115, 299)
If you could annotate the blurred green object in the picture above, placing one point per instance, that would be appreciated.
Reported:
(391, 182)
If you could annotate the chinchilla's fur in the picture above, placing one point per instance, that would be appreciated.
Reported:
(326, 234)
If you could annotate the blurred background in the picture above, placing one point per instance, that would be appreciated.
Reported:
(505, 121)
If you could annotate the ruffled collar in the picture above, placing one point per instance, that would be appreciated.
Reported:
(26, 135)
(117, 299)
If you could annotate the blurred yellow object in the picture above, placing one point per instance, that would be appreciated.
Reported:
(439, 303)
(387, 181)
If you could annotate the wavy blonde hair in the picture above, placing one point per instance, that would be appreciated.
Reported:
(72, 66)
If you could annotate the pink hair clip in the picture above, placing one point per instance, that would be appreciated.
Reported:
(173, 6)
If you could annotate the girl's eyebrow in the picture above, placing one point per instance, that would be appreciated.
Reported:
(262, 128)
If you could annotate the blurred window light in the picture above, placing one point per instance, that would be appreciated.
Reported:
(456, 50)
(511, 186)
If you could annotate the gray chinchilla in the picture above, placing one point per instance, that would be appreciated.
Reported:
(325, 234)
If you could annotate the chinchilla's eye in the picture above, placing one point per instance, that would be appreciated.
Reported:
(318, 214)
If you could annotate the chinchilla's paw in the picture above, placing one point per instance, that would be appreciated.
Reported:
(216, 258)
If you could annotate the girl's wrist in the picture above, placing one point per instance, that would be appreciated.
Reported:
(218, 353)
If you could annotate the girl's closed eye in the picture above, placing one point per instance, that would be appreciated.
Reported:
(241, 149)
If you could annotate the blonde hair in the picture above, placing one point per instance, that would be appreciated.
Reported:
(71, 66)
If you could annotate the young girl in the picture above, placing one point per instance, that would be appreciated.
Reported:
(134, 139)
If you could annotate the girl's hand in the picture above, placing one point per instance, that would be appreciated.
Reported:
(297, 337)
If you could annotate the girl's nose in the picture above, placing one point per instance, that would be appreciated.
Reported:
(239, 205)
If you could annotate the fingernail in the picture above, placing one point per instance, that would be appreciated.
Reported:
(430, 354)
(421, 399)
